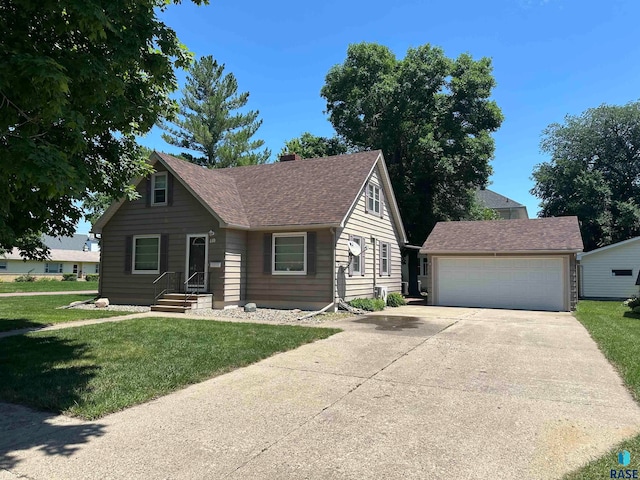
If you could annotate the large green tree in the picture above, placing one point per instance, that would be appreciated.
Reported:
(594, 173)
(78, 81)
(308, 145)
(431, 115)
(210, 120)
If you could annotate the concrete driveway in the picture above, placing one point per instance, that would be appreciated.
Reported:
(430, 393)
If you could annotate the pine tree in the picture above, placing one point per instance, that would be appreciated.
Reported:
(209, 121)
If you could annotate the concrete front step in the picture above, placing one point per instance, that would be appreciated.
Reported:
(175, 302)
(170, 308)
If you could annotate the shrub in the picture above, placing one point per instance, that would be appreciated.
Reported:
(368, 304)
(27, 277)
(92, 277)
(633, 303)
(69, 277)
(395, 300)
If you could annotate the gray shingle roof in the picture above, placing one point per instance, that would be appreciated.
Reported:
(59, 255)
(561, 234)
(491, 199)
(316, 191)
(76, 242)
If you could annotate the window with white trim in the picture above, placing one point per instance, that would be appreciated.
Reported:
(385, 249)
(356, 261)
(97, 268)
(75, 268)
(373, 198)
(159, 188)
(53, 268)
(3, 265)
(146, 254)
(423, 264)
(289, 253)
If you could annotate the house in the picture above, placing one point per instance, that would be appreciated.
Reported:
(518, 264)
(79, 254)
(612, 271)
(506, 208)
(276, 235)
(77, 242)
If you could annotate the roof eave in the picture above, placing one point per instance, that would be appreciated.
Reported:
(608, 247)
(265, 228)
(497, 252)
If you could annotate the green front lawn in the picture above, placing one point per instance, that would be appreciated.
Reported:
(94, 370)
(40, 311)
(46, 286)
(617, 332)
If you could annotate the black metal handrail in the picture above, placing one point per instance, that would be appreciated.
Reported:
(189, 293)
(169, 284)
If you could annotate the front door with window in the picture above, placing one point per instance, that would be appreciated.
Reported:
(196, 272)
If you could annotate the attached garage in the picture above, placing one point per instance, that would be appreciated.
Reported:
(516, 264)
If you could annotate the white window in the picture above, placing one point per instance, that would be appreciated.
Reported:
(373, 199)
(159, 188)
(97, 268)
(52, 268)
(385, 249)
(75, 268)
(3, 265)
(356, 262)
(146, 254)
(289, 254)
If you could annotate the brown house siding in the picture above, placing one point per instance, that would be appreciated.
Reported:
(573, 279)
(185, 216)
(367, 225)
(235, 269)
(289, 291)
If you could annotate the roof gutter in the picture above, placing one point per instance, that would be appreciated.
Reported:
(494, 252)
(285, 228)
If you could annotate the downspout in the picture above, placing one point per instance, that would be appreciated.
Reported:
(334, 277)
(373, 241)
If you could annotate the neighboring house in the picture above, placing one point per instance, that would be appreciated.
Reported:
(519, 264)
(275, 235)
(505, 207)
(77, 242)
(612, 271)
(78, 254)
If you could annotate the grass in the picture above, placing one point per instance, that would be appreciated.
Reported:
(616, 330)
(40, 311)
(98, 369)
(46, 286)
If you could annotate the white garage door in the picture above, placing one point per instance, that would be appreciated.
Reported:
(518, 283)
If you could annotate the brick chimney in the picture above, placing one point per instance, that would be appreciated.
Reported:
(289, 157)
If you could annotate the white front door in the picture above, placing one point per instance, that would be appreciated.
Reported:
(196, 267)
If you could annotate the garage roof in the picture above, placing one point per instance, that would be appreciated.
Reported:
(539, 235)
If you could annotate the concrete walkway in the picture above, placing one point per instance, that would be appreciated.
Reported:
(432, 393)
(31, 294)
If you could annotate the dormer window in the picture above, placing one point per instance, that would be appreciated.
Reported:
(373, 199)
(159, 188)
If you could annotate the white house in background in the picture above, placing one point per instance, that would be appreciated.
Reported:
(79, 254)
(612, 271)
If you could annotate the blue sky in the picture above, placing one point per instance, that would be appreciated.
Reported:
(550, 57)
